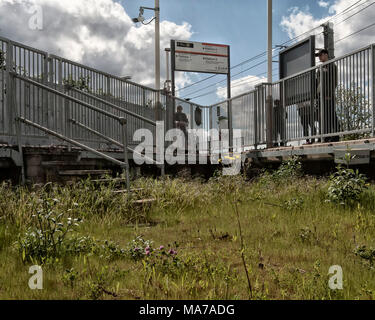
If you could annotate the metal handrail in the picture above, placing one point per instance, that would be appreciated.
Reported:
(66, 96)
(71, 141)
(113, 141)
(130, 113)
(295, 75)
(52, 56)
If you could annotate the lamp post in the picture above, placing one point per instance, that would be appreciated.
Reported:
(157, 45)
(269, 79)
(157, 38)
(269, 101)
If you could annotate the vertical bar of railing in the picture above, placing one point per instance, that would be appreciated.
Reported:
(230, 125)
(12, 98)
(123, 123)
(9, 65)
(68, 122)
(256, 104)
(269, 115)
(284, 119)
(322, 120)
(372, 82)
(45, 82)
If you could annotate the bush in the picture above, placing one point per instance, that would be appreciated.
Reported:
(48, 237)
(289, 169)
(346, 186)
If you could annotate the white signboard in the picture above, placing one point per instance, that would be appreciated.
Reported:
(201, 57)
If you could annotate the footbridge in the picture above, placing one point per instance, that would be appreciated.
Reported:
(62, 118)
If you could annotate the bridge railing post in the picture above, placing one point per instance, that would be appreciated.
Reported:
(13, 101)
(9, 93)
(321, 97)
(269, 102)
(124, 128)
(372, 83)
(284, 126)
(257, 106)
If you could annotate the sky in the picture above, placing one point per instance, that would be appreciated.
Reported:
(101, 34)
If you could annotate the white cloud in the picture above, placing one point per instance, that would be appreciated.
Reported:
(301, 20)
(98, 33)
(323, 4)
(241, 85)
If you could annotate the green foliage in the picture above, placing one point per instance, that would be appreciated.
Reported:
(70, 276)
(294, 204)
(138, 247)
(163, 260)
(346, 186)
(353, 111)
(81, 84)
(47, 239)
(288, 170)
(291, 237)
(367, 254)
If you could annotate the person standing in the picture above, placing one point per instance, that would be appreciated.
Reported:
(326, 88)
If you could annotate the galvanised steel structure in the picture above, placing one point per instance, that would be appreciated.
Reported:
(330, 100)
(140, 105)
(60, 101)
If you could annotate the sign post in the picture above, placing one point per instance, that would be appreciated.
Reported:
(189, 56)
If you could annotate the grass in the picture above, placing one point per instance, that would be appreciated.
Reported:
(290, 236)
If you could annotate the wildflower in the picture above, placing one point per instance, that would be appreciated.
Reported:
(136, 249)
(161, 248)
(172, 252)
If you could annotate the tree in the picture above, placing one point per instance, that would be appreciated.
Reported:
(353, 111)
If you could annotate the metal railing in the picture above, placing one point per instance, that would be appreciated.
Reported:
(17, 82)
(76, 101)
(333, 99)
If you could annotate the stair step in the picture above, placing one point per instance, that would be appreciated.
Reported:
(60, 163)
(84, 172)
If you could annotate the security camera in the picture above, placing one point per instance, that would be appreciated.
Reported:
(140, 16)
(139, 19)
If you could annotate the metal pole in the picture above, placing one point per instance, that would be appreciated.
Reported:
(12, 93)
(269, 79)
(9, 69)
(123, 122)
(229, 95)
(322, 120)
(373, 87)
(167, 53)
(157, 65)
(157, 45)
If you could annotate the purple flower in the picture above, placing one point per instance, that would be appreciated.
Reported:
(172, 252)
(148, 253)
(148, 249)
(161, 248)
(136, 249)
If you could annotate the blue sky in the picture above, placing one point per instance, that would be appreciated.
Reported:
(101, 34)
(242, 24)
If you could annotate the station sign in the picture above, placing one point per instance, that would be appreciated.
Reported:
(203, 57)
